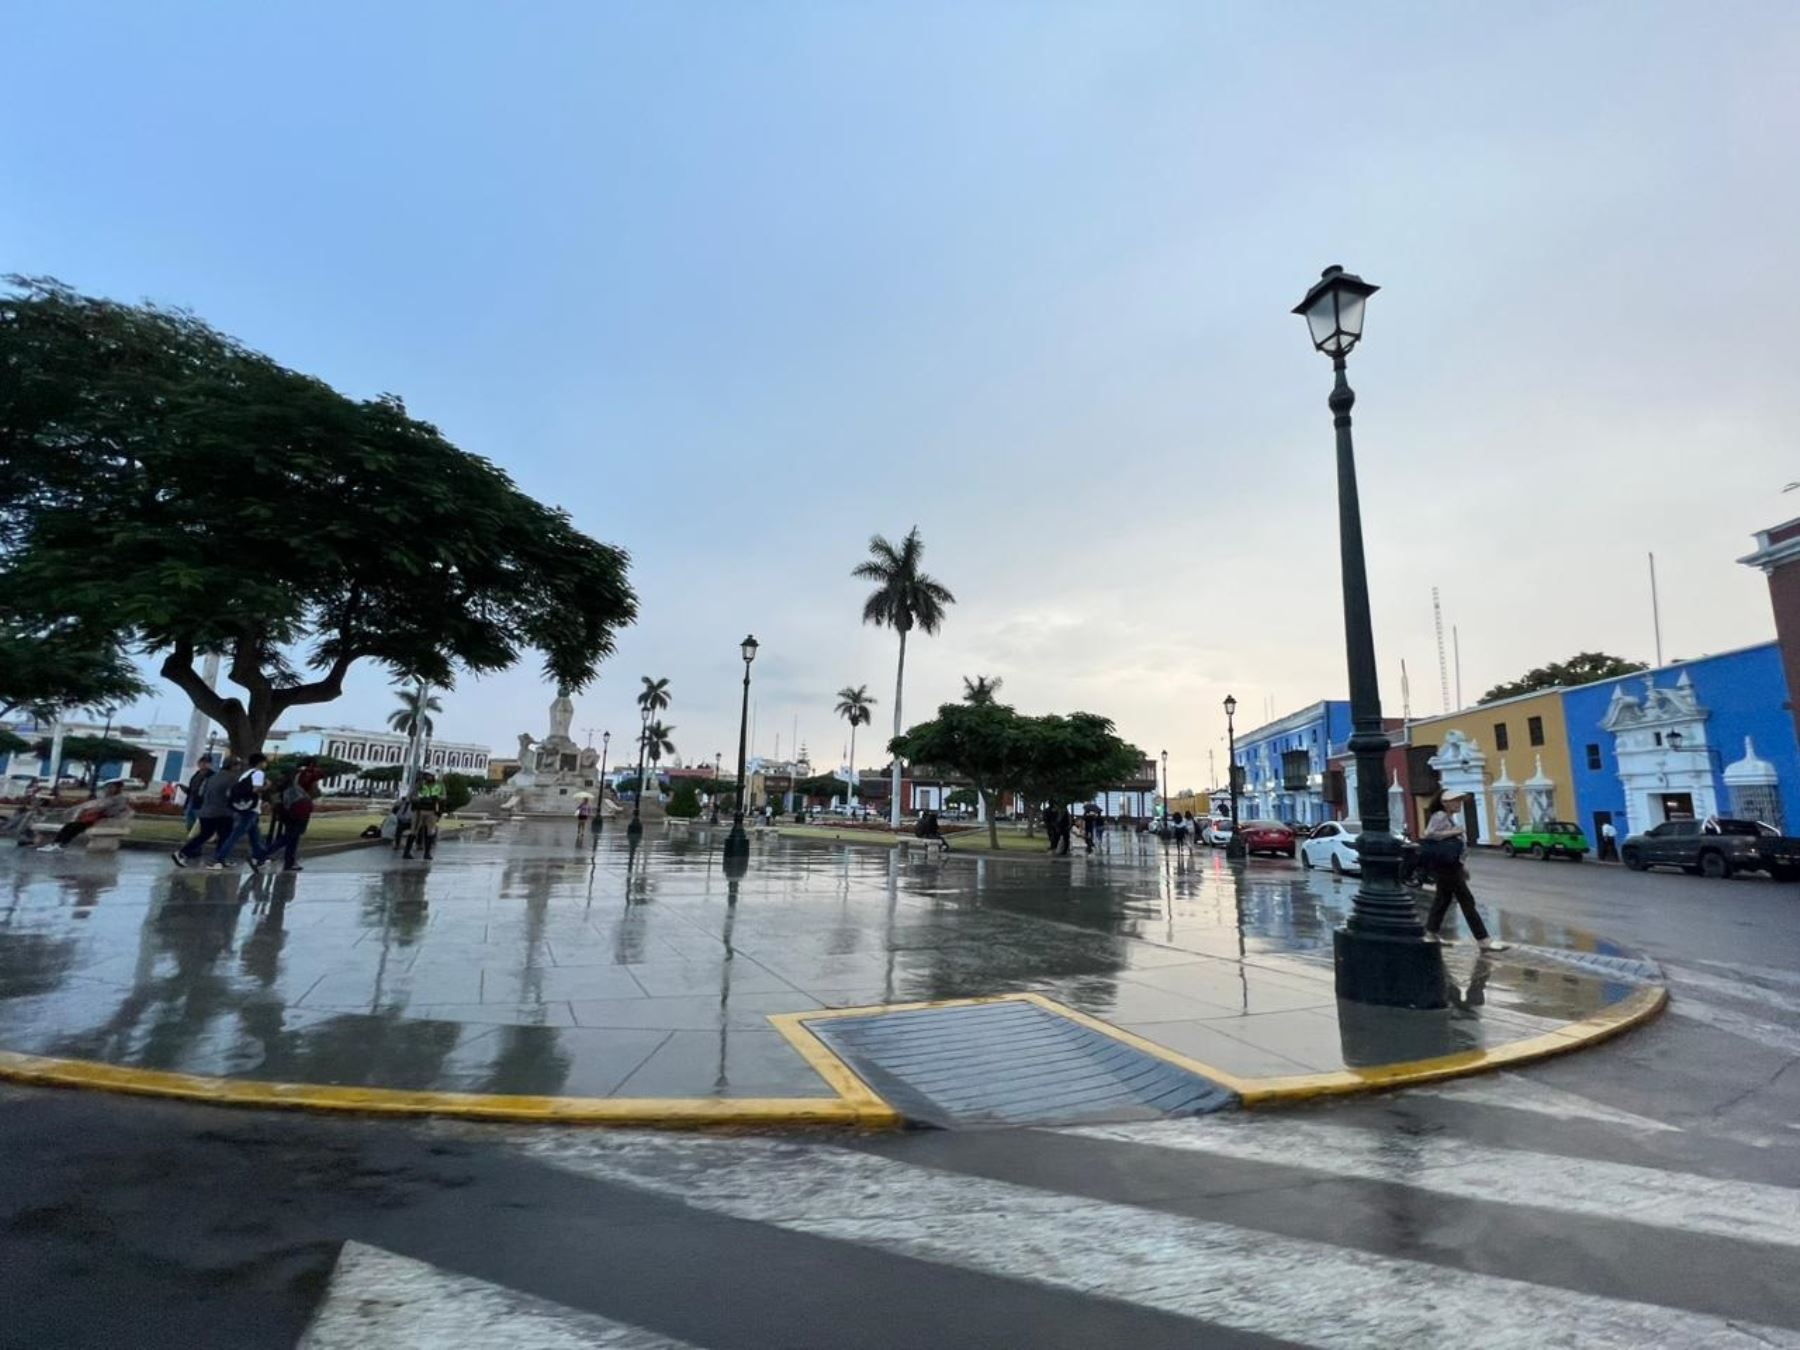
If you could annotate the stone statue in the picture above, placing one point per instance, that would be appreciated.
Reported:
(524, 749)
(562, 713)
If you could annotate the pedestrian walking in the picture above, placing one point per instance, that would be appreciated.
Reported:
(196, 785)
(246, 801)
(1609, 842)
(303, 788)
(106, 807)
(583, 812)
(427, 807)
(214, 818)
(1442, 851)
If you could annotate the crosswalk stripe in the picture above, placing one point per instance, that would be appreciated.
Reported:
(1785, 1040)
(1512, 1092)
(1742, 1210)
(380, 1301)
(1754, 994)
(1298, 1290)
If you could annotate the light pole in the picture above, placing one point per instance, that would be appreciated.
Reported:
(600, 786)
(635, 830)
(1165, 773)
(1234, 846)
(737, 843)
(1380, 953)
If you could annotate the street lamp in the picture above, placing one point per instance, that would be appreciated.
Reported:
(1380, 954)
(737, 843)
(600, 786)
(1235, 847)
(635, 830)
(1165, 772)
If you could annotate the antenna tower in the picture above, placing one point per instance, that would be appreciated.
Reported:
(1437, 619)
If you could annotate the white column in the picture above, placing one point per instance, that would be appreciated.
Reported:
(199, 721)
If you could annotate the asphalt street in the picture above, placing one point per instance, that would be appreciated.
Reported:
(1644, 1192)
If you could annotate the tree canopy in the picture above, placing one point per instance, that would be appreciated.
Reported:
(166, 486)
(91, 752)
(51, 663)
(1056, 759)
(1582, 668)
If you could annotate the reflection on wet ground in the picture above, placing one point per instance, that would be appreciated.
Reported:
(524, 963)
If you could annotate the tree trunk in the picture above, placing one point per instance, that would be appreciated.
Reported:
(852, 769)
(993, 824)
(899, 686)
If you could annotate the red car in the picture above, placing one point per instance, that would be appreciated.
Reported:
(1267, 836)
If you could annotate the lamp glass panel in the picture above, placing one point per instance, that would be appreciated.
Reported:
(1321, 319)
(1350, 314)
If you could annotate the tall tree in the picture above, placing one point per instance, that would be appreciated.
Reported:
(91, 752)
(981, 689)
(1582, 668)
(256, 513)
(47, 665)
(854, 705)
(904, 599)
(987, 743)
(657, 742)
(414, 713)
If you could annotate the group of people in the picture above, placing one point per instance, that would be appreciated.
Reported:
(414, 820)
(225, 803)
(1059, 828)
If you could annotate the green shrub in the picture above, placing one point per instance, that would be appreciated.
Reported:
(685, 804)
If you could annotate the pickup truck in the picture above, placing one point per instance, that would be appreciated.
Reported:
(1715, 848)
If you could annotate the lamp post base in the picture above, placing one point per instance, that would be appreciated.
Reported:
(635, 830)
(1388, 972)
(1236, 850)
(737, 843)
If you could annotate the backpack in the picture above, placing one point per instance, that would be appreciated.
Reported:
(243, 792)
(293, 794)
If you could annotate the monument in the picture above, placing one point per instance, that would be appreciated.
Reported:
(555, 772)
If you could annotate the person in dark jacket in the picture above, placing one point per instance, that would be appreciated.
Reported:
(1443, 854)
(190, 806)
(215, 815)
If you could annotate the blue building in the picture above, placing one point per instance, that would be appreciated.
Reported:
(1284, 764)
(1698, 738)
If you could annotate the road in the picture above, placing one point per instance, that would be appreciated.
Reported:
(1641, 1193)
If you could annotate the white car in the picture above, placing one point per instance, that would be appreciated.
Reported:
(1217, 832)
(1333, 845)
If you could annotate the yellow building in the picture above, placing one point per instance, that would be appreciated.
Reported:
(1510, 758)
(1192, 803)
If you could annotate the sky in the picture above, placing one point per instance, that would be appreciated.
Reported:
(740, 285)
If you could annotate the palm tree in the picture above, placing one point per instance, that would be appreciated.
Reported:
(853, 706)
(981, 690)
(654, 696)
(414, 712)
(904, 599)
(656, 745)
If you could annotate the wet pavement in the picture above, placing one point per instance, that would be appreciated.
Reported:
(523, 963)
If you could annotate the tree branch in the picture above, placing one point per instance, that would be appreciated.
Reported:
(317, 691)
(178, 670)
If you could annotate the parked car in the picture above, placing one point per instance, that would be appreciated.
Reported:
(1715, 848)
(1217, 832)
(1268, 836)
(1548, 839)
(1333, 845)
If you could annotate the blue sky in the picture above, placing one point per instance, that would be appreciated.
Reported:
(740, 284)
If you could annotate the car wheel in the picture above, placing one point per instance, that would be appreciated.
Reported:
(1715, 865)
(1507, 848)
(1537, 851)
(1306, 863)
(1337, 866)
(1633, 859)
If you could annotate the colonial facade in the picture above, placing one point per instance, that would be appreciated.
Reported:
(375, 749)
(1285, 763)
(1509, 759)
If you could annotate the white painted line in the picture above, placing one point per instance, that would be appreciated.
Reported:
(380, 1301)
(1784, 1040)
(1308, 1292)
(1511, 1092)
(1743, 1210)
(1738, 990)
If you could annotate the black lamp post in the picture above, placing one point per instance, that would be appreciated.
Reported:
(1235, 846)
(600, 787)
(1168, 811)
(1381, 955)
(737, 843)
(635, 830)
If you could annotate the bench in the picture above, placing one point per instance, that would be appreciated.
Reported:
(102, 838)
(914, 841)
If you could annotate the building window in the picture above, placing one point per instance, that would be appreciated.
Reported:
(1500, 741)
(1296, 765)
(1534, 730)
(1593, 756)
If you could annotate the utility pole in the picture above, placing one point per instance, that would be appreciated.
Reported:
(1655, 611)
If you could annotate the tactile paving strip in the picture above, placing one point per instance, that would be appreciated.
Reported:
(1011, 1062)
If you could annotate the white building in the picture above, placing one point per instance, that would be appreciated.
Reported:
(375, 749)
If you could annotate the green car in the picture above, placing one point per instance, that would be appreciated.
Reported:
(1547, 839)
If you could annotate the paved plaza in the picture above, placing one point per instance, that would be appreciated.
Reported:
(523, 966)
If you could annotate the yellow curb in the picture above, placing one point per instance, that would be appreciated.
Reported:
(862, 1109)
(1628, 1012)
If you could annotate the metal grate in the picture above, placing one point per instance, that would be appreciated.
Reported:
(1013, 1063)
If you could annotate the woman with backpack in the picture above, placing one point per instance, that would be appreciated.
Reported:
(294, 806)
(1441, 852)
